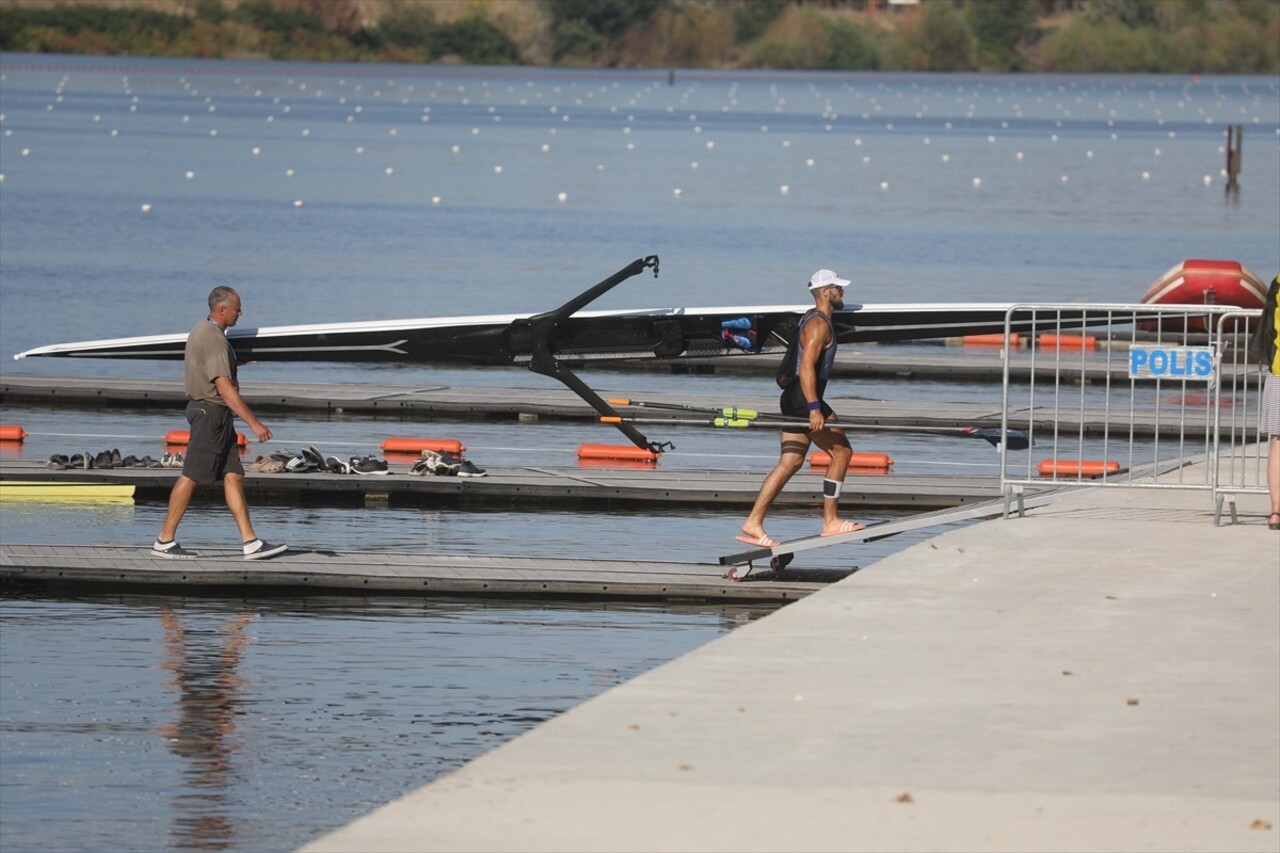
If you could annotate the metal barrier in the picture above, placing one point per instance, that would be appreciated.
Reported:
(1240, 466)
(1117, 395)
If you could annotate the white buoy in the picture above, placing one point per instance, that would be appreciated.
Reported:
(497, 170)
(562, 197)
(784, 189)
(1208, 179)
(1146, 176)
(455, 148)
(435, 199)
(359, 149)
(946, 158)
(677, 192)
(884, 185)
(1018, 155)
(546, 147)
(977, 182)
(146, 208)
(710, 144)
(190, 174)
(1064, 179)
(809, 162)
(389, 171)
(288, 173)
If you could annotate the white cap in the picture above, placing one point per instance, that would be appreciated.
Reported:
(826, 278)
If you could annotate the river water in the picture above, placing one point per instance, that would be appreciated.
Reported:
(330, 192)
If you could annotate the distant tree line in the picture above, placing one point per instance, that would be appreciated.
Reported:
(1162, 36)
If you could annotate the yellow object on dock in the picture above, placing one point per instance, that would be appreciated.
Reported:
(47, 490)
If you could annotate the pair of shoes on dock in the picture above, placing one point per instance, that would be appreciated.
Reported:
(310, 460)
(445, 465)
(171, 460)
(107, 459)
(257, 549)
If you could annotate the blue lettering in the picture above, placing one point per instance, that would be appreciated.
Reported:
(1204, 363)
(1137, 358)
(1159, 363)
(1173, 364)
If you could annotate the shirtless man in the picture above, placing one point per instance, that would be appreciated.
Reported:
(802, 398)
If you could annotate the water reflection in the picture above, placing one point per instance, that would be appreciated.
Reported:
(203, 665)
(151, 722)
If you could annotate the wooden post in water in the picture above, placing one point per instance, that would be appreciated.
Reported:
(1235, 140)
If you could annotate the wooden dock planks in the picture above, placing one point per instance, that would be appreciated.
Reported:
(396, 572)
(604, 488)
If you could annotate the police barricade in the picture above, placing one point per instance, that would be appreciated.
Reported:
(1240, 466)
(1110, 395)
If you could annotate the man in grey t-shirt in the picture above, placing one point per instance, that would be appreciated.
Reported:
(213, 401)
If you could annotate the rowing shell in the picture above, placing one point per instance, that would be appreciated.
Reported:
(543, 341)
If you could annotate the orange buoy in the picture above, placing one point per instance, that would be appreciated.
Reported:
(1076, 467)
(12, 432)
(628, 452)
(181, 437)
(619, 464)
(400, 444)
(1049, 340)
(821, 459)
(995, 340)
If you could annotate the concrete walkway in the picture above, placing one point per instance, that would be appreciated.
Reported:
(1103, 674)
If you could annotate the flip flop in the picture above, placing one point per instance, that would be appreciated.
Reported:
(764, 540)
(846, 527)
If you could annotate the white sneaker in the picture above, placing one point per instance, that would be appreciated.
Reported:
(260, 550)
(171, 550)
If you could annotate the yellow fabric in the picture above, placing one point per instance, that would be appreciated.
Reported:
(1275, 359)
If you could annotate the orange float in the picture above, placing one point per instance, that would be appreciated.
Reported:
(821, 459)
(182, 437)
(400, 444)
(994, 340)
(1076, 467)
(12, 432)
(1049, 340)
(626, 452)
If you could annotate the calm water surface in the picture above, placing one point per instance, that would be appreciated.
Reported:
(330, 192)
(255, 724)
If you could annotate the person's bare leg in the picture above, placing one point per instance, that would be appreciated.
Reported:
(1273, 477)
(790, 459)
(233, 488)
(836, 444)
(179, 500)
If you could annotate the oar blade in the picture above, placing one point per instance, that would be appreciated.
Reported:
(1014, 439)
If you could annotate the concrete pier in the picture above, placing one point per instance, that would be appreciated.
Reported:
(1103, 674)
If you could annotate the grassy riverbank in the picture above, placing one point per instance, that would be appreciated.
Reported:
(1161, 36)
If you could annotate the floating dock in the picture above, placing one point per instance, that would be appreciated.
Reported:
(459, 403)
(600, 488)
(369, 572)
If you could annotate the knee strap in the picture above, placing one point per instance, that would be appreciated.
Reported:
(831, 488)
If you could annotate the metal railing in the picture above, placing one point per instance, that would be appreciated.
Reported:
(1120, 395)
(1240, 463)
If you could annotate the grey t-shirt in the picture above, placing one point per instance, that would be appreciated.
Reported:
(208, 355)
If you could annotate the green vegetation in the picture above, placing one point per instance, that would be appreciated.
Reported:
(1166, 36)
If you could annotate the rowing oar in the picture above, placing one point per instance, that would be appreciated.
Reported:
(1014, 439)
(732, 412)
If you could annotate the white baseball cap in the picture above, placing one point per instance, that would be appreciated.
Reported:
(826, 278)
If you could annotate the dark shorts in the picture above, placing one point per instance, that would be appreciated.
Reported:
(793, 403)
(211, 450)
